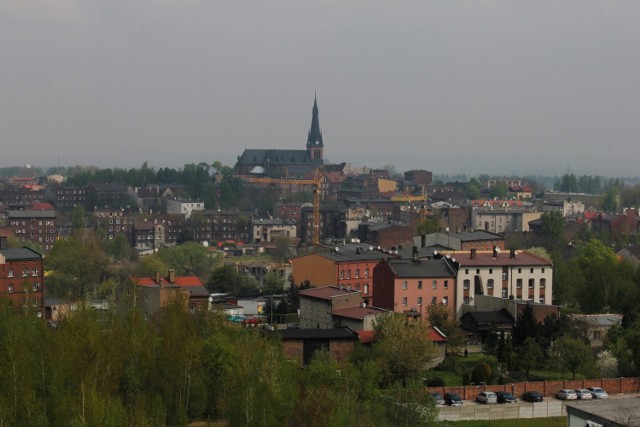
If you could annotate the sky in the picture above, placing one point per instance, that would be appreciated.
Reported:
(451, 86)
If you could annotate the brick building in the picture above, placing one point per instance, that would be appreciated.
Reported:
(22, 277)
(35, 226)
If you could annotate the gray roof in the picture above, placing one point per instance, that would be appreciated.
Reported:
(29, 213)
(421, 268)
(613, 412)
(349, 252)
(17, 254)
(490, 317)
(276, 157)
(320, 334)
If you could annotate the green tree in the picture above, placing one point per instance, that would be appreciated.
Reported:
(402, 350)
(282, 248)
(227, 279)
(552, 225)
(78, 218)
(473, 189)
(598, 264)
(526, 326)
(530, 355)
(429, 225)
(611, 202)
(499, 191)
(571, 354)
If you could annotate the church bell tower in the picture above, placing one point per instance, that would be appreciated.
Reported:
(314, 140)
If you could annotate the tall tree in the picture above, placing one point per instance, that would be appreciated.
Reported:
(571, 354)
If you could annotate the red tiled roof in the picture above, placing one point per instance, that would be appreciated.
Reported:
(183, 281)
(42, 206)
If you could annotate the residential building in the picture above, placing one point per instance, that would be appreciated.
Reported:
(218, 225)
(106, 195)
(113, 222)
(22, 272)
(596, 326)
(462, 241)
(411, 285)
(503, 219)
(419, 177)
(68, 197)
(329, 222)
(267, 230)
(349, 266)
(386, 234)
(518, 275)
(35, 226)
(185, 208)
(15, 197)
(631, 253)
(565, 207)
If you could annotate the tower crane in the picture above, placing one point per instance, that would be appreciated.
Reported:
(316, 182)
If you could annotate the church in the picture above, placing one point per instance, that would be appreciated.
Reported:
(280, 163)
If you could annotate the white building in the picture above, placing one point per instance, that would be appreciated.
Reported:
(183, 208)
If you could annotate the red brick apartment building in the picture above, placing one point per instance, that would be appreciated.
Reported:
(22, 277)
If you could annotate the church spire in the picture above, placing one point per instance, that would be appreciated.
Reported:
(315, 136)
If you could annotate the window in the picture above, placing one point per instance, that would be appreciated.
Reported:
(434, 301)
(419, 284)
(366, 272)
(10, 273)
(35, 302)
(466, 271)
(477, 271)
(532, 270)
(404, 301)
(519, 283)
(541, 300)
(419, 300)
(466, 284)
(446, 284)
(465, 300)
(366, 289)
(348, 274)
(25, 272)
(35, 287)
(404, 284)
(519, 270)
(491, 271)
(504, 293)
(445, 300)
(357, 273)
(543, 269)
(10, 288)
(543, 283)
(490, 284)
(342, 274)
(532, 283)
(434, 285)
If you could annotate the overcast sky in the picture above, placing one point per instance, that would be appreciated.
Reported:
(449, 86)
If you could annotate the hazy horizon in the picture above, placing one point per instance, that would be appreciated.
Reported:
(493, 87)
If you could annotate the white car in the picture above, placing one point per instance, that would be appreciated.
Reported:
(487, 397)
(598, 393)
(584, 394)
(567, 394)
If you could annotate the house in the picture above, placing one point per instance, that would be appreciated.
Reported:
(604, 413)
(217, 225)
(22, 272)
(503, 219)
(631, 253)
(301, 344)
(152, 294)
(410, 285)
(68, 197)
(267, 230)
(515, 274)
(478, 323)
(596, 326)
(349, 266)
(387, 234)
(182, 207)
(114, 222)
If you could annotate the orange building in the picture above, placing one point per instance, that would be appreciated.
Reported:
(350, 267)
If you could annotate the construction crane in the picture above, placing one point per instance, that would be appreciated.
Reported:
(411, 199)
(316, 182)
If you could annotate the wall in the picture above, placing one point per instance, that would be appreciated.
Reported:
(547, 388)
(318, 270)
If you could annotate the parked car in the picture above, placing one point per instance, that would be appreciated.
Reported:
(532, 396)
(566, 394)
(505, 397)
(452, 399)
(598, 393)
(584, 394)
(487, 397)
(437, 397)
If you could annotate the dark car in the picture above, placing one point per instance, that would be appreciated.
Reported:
(506, 397)
(437, 397)
(452, 399)
(532, 396)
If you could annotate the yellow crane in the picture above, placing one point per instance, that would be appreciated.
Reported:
(411, 199)
(316, 182)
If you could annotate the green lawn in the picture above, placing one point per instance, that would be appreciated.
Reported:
(531, 422)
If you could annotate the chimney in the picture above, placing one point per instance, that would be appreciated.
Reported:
(157, 277)
(172, 276)
(3, 243)
(415, 251)
(512, 253)
(473, 253)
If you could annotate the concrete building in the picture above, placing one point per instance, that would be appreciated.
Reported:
(502, 220)
(267, 230)
(186, 208)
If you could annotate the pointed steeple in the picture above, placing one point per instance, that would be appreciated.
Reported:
(315, 136)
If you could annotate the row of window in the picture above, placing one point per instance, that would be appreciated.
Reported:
(34, 272)
(346, 274)
(15, 223)
(434, 301)
(466, 284)
(34, 288)
(531, 270)
(434, 284)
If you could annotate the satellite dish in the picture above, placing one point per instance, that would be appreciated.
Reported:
(435, 252)
(210, 299)
(444, 300)
(453, 259)
(336, 249)
(370, 248)
(497, 249)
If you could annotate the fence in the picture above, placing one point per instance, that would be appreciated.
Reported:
(545, 409)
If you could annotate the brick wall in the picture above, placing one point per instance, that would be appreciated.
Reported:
(547, 388)
(294, 349)
(340, 350)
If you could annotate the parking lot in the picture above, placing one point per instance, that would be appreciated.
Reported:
(472, 410)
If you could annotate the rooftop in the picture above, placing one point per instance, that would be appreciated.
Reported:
(421, 268)
(325, 293)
